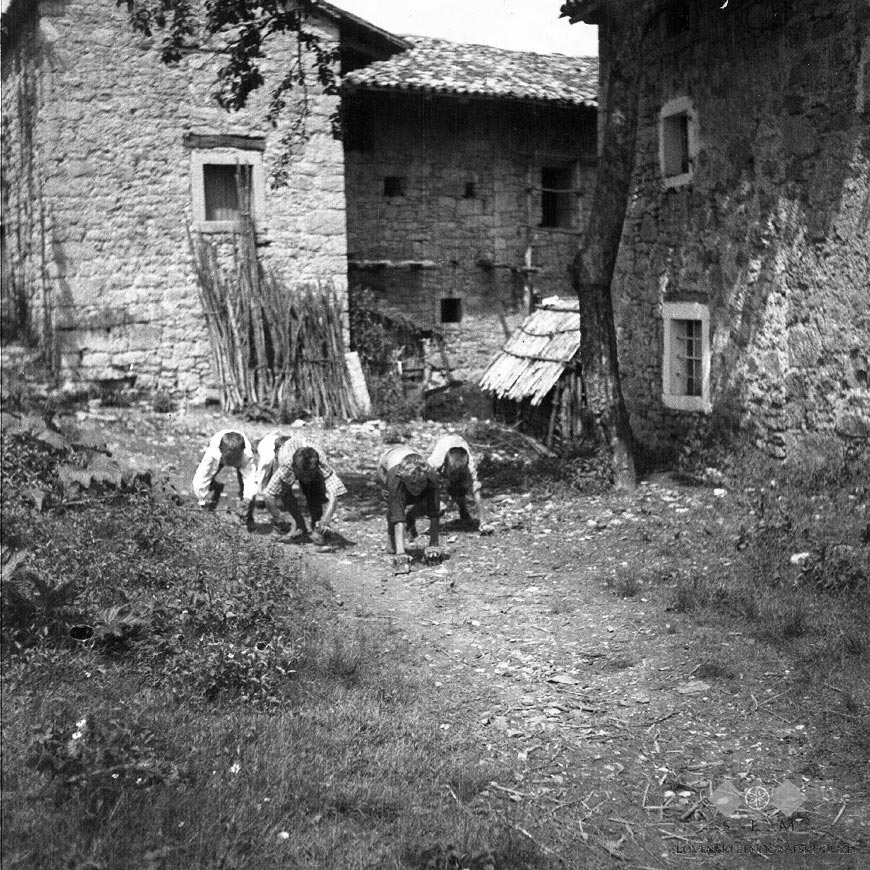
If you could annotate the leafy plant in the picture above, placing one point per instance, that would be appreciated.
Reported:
(98, 756)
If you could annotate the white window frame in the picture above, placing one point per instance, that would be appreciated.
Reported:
(679, 106)
(671, 312)
(226, 156)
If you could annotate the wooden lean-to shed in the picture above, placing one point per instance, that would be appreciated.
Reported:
(536, 380)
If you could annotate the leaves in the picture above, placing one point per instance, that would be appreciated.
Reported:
(243, 27)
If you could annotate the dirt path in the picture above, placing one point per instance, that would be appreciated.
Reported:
(616, 716)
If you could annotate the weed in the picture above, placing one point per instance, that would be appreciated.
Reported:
(561, 604)
(690, 594)
(162, 403)
(98, 756)
(619, 663)
(713, 669)
(782, 619)
(625, 584)
(852, 641)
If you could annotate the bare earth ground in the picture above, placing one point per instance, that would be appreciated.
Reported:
(616, 716)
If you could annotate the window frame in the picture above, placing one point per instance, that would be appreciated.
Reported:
(679, 107)
(200, 158)
(671, 313)
(565, 195)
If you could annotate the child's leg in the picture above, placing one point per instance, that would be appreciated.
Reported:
(315, 498)
(215, 489)
(411, 522)
(462, 504)
(241, 483)
(460, 496)
(289, 503)
(391, 536)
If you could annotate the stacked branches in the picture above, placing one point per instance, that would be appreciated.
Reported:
(274, 346)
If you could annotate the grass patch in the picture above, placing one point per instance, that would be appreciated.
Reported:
(625, 583)
(217, 712)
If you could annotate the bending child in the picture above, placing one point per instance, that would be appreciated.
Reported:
(451, 458)
(227, 449)
(267, 456)
(412, 489)
(300, 462)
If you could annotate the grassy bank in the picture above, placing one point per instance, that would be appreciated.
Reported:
(177, 695)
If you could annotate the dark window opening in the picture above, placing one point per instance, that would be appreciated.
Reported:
(358, 130)
(557, 183)
(676, 19)
(470, 192)
(394, 186)
(451, 310)
(225, 186)
(675, 145)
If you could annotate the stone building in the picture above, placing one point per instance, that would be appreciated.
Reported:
(468, 170)
(742, 284)
(111, 157)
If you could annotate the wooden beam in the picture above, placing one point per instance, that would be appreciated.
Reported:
(220, 140)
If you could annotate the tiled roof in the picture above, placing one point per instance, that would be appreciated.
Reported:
(451, 68)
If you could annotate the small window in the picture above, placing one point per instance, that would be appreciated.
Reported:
(675, 136)
(686, 378)
(394, 186)
(678, 143)
(686, 361)
(470, 191)
(225, 187)
(226, 184)
(557, 192)
(451, 310)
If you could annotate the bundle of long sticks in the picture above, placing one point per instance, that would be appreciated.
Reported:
(275, 346)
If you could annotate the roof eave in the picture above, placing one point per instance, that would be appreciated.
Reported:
(349, 87)
(344, 17)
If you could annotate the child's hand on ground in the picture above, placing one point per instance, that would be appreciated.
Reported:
(432, 555)
(486, 529)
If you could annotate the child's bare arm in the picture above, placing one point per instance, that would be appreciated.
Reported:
(434, 529)
(482, 515)
(328, 511)
(205, 474)
(399, 532)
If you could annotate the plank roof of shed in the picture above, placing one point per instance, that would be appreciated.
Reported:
(534, 357)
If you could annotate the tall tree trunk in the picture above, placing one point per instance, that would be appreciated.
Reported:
(619, 48)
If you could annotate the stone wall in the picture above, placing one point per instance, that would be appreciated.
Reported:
(466, 211)
(109, 237)
(773, 230)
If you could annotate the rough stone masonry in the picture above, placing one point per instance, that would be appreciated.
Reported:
(103, 155)
(767, 225)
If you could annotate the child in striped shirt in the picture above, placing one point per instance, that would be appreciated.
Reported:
(299, 461)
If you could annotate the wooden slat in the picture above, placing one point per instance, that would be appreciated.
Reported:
(224, 140)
